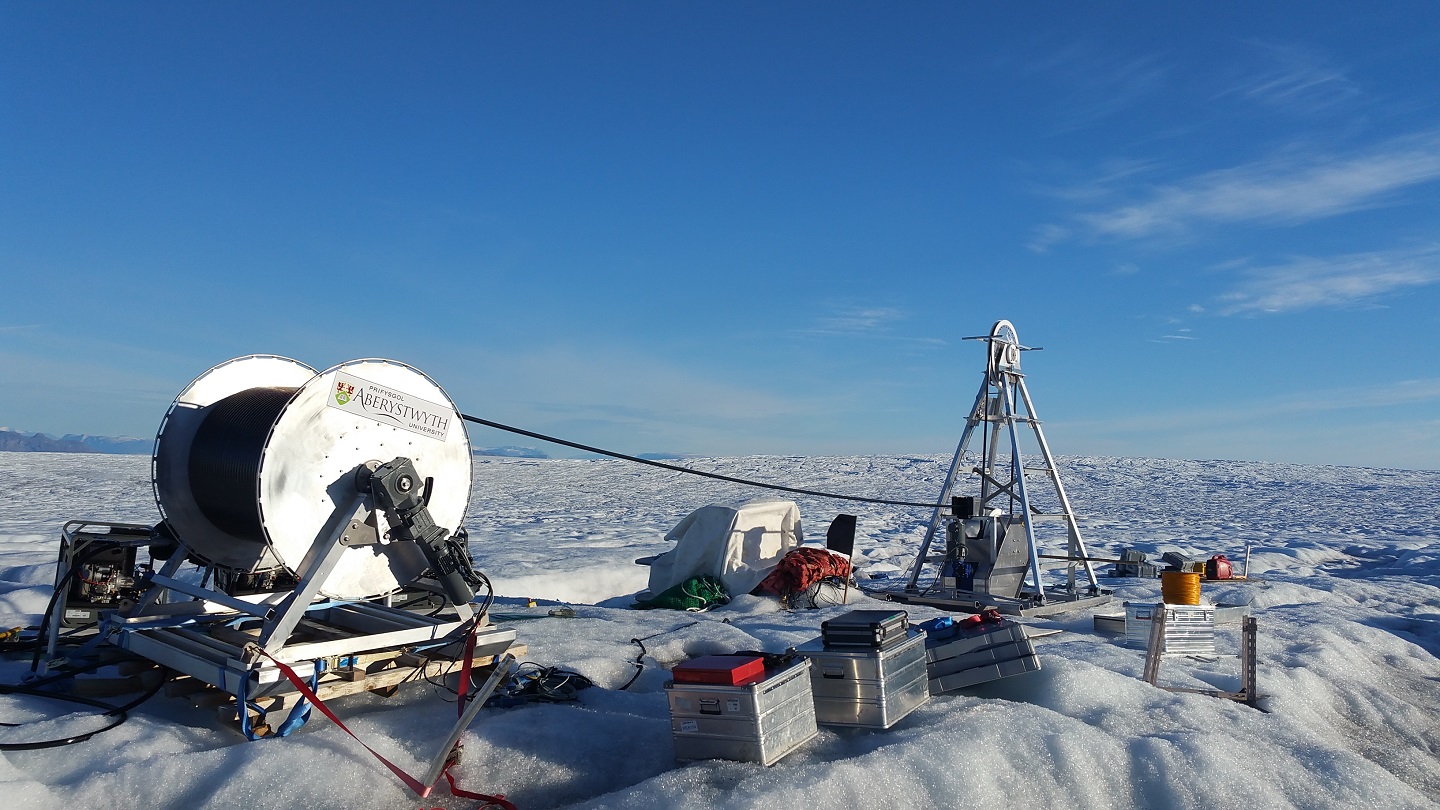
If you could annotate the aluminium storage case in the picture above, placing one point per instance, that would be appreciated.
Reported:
(1189, 629)
(759, 722)
(871, 688)
(967, 656)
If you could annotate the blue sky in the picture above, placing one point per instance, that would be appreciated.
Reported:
(727, 228)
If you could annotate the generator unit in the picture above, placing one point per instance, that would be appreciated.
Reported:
(97, 570)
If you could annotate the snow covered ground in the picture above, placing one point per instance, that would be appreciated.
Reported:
(1348, 610)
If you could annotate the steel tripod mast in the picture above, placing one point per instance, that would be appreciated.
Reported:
(1001, 407)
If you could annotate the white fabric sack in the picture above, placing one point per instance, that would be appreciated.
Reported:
(740, 545)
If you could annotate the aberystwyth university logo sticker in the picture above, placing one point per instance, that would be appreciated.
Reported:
(390, 406)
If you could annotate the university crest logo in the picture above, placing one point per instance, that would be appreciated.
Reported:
(343, 393)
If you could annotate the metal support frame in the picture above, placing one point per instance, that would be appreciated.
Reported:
(313, 571)
(1155, 652)
(504, 668)
(1002, 405)
(190, 636)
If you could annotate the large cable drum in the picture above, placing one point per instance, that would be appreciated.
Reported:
(252, 461)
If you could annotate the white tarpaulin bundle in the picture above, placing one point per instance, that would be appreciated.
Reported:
(740, 545)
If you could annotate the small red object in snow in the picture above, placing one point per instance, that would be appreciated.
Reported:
(724, 670)
(1218, 567)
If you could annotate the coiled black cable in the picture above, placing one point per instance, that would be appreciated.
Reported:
(225, 458)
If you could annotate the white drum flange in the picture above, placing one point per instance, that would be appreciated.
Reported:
(334, 422)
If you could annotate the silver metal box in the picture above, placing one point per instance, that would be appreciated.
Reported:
(977, 655)
(968, 641)
(983, 657)
(982, 674)
(873, 688)
(761, 722)
(1189, 629)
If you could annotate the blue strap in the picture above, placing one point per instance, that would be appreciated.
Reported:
(242, 708)
(301, 712)
(297, 717)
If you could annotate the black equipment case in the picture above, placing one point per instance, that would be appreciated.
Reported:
(865, 628)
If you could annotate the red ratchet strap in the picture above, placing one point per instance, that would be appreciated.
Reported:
(490, 801)
(410, 781)
(465, 667)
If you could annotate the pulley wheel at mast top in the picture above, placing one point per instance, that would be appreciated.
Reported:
(252, 460)
(1004, 350)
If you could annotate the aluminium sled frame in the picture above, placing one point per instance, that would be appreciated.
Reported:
(216, 638)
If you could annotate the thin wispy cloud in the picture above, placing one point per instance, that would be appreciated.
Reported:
(1295, 404)
(1100, 83)
(858, 321)
(1297, 80)
(1355, 279)
(1285, 190)
(1044, 237)
(869, 323)
(607, 380)
(1179, 336)
(1099, 186)
(1381, 395)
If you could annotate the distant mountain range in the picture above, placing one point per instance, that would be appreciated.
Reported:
(509, 451)
(17, 442)
(125, 445)
(14, 441)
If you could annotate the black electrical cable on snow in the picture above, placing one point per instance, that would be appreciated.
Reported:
(120, 713)
(676, 468)
(639, 662)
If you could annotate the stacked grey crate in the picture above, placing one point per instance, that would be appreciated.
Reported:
(1189, 629)
(1175, 561)
(761, 722)
(966, 656)
(1132, 564)
(872, 687)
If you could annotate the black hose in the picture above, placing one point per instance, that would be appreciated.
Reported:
(120, 713)
(676, 468)
(639, 662)
(225, 458)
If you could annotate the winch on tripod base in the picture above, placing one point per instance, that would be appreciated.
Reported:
(991, 558)
(315, 506)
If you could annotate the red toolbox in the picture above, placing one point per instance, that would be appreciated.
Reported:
(725, 670)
